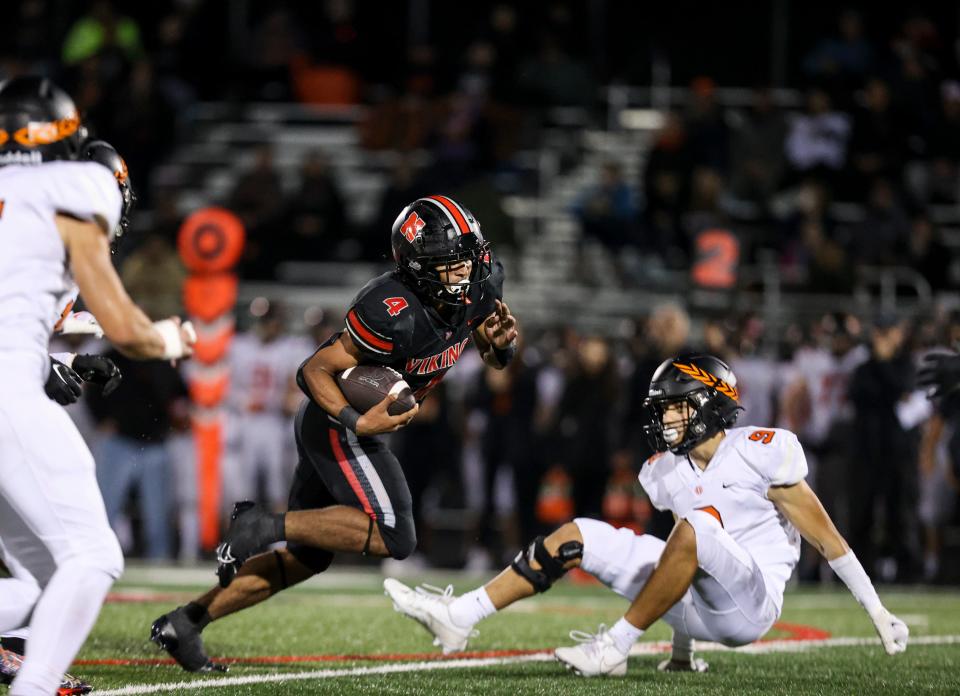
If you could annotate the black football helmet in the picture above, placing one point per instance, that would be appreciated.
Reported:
(707, 385)
(431, 235)
(107, 155)
(38, 122)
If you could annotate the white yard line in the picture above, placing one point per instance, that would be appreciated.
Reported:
(323, 674)
(774, 646)
(434, 665)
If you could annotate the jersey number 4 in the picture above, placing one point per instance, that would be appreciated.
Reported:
(764, 436)
(395, 305)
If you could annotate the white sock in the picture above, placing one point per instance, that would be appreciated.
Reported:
(624, 635)
(63, 617)
(470, 608)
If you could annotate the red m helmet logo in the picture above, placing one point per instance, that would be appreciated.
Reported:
(412, 226)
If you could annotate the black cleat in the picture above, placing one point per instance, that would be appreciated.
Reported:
(252, 530)
(11, 661)
(180, 637)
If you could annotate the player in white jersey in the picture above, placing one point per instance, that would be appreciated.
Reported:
(263, 398)
(58, 217)
(68, 372)
(739, 498)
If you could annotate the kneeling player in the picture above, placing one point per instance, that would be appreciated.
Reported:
(739, 497)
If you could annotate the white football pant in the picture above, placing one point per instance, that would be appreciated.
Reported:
(727, 602)
(53, 526)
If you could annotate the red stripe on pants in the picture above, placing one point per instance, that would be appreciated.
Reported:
(348, 472)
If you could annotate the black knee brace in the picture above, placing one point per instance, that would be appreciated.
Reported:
(551, 567)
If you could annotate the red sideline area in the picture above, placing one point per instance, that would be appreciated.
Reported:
(143, 597)
(796, 632)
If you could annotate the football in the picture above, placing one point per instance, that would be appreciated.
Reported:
(364, 386)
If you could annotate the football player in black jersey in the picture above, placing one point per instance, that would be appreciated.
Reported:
(349, 492)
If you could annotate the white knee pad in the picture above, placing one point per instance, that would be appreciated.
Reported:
(105, 556)
(619, 558)
(111, 558)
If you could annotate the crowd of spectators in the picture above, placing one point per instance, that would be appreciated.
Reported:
(877, 128)
(878, 125)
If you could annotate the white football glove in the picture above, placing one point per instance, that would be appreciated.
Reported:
(81, 323)
(892, 631)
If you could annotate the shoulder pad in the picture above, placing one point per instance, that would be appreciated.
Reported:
(652, 475)
(774, 453)
(84, 190)
(381, 319)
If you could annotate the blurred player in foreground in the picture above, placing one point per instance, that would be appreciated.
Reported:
(58, 217)
(739, 498)
(68, 373)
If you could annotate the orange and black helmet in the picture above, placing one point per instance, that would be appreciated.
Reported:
(38, 122)
(707, 385)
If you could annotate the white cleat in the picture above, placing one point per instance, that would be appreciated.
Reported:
(596, 655)
(430, 606)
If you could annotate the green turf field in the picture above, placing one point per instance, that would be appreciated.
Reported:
(341, 624)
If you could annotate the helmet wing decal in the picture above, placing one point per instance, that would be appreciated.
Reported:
(702, 375)
(46, 132)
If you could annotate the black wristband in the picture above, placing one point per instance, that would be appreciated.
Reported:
(505, 355)
(349, 416)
